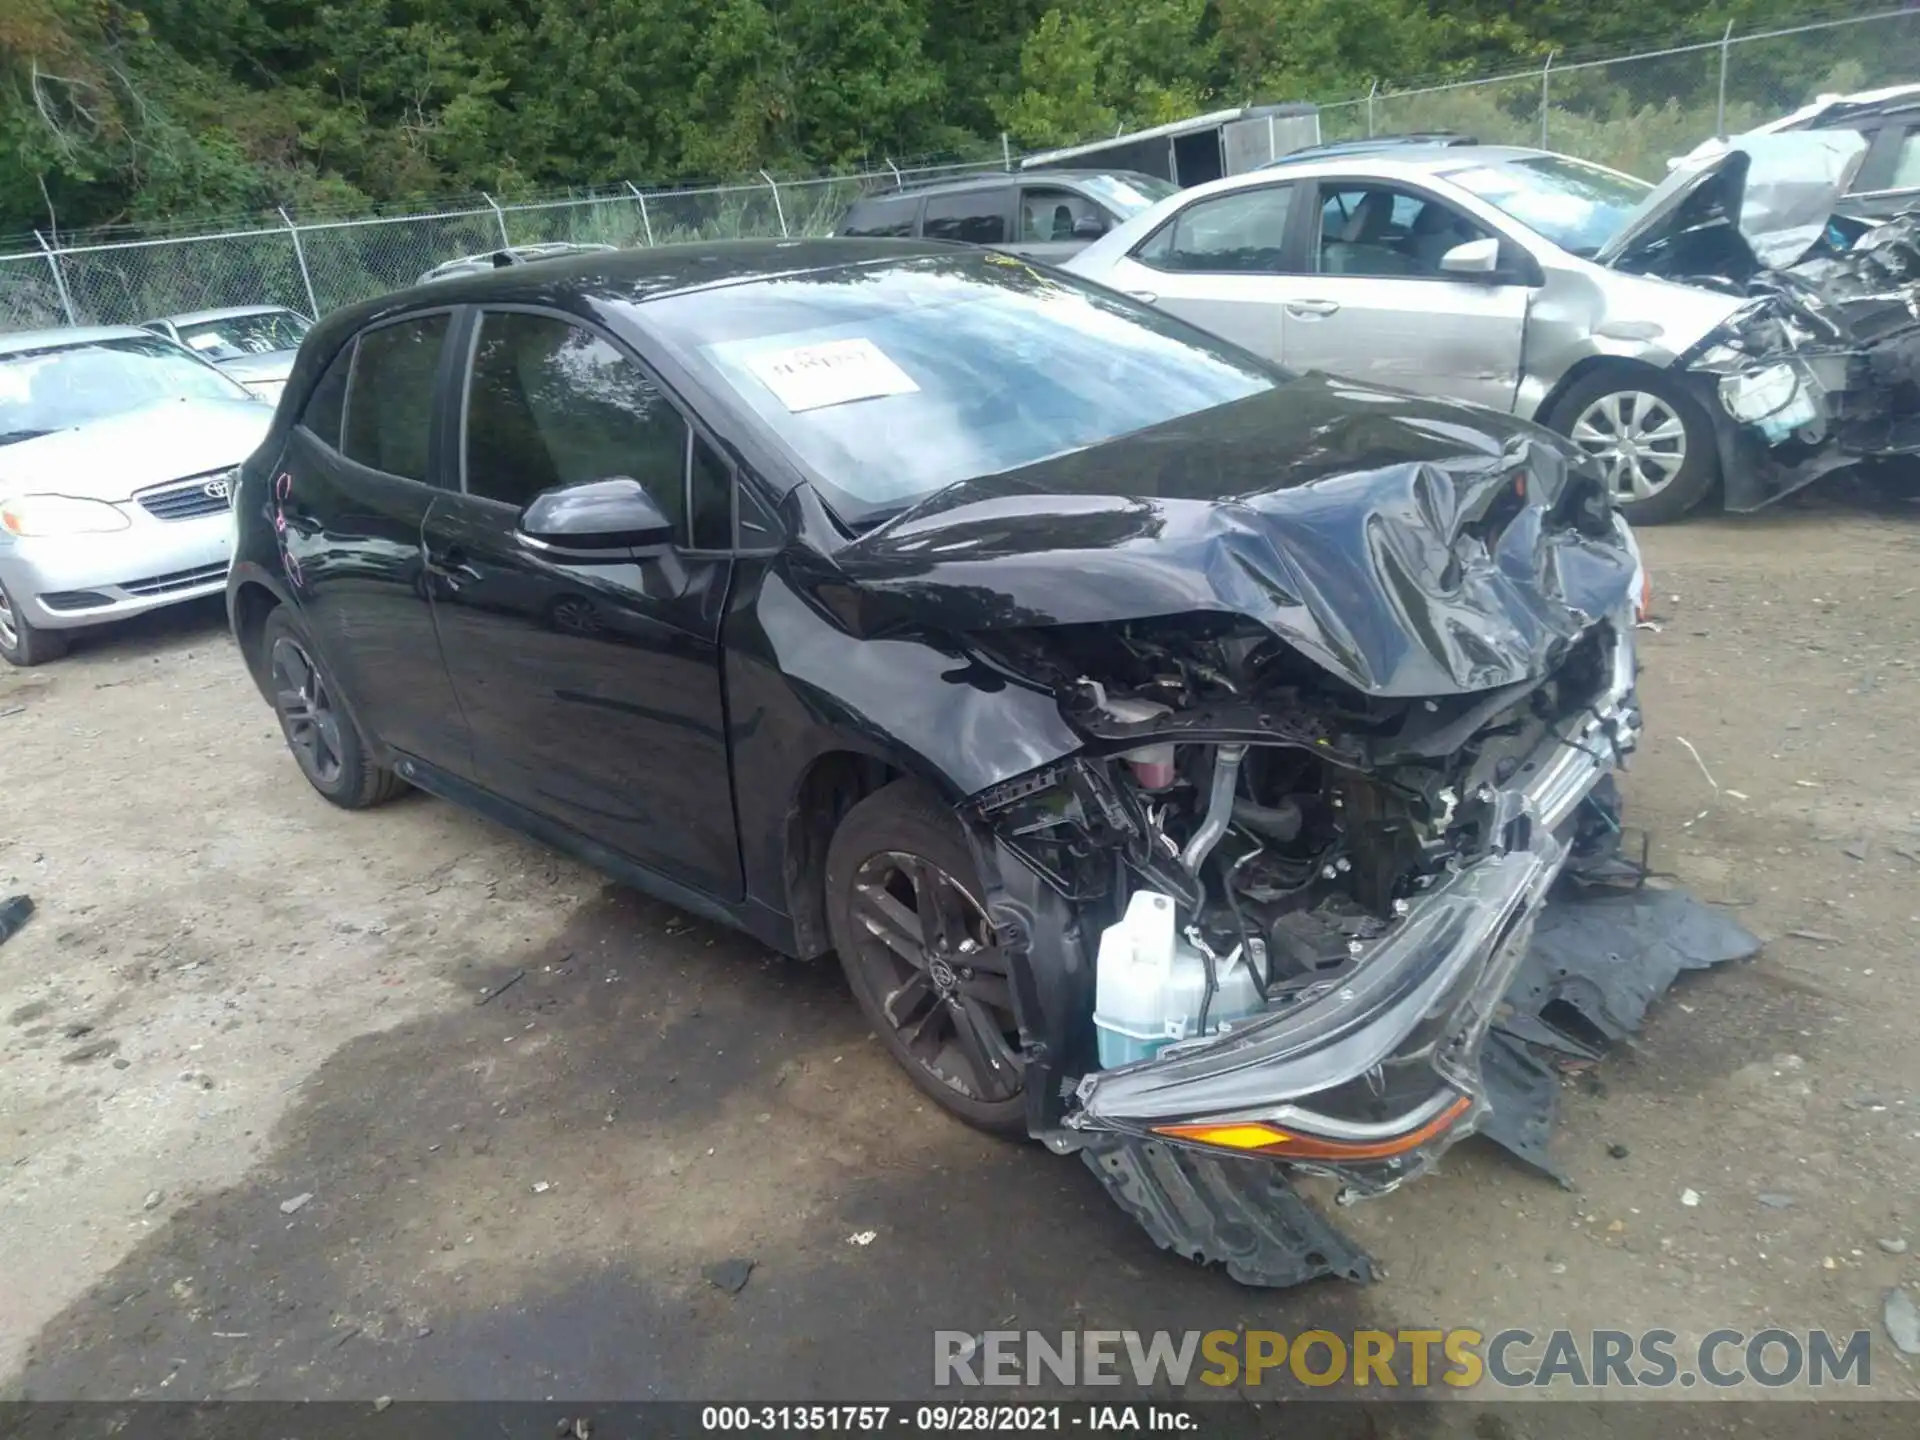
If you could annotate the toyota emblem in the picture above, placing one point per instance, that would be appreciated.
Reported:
(218, 490)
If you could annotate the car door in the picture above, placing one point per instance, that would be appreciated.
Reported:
(351, 494)
(1373, 303)
(1221, 263)
(592, 688)
(1052, 222)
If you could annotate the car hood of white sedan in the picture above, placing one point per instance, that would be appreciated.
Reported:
(110, 459)
(274, 365)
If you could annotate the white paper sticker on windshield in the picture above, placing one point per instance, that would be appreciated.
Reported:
(204, 342)
(838, 372)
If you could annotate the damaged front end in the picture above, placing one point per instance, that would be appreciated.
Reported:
(1340, 728)
(1312, 905)
(1821, 367)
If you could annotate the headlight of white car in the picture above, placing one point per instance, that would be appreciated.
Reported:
(33, 515)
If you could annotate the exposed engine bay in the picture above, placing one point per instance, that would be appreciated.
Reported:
(1288, 856)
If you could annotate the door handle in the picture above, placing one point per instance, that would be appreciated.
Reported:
(1146, 297)
(1312, 309)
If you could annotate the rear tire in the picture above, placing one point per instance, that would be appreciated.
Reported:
(24, 644)
(1627, 417)
(325, 743)
(904, 910)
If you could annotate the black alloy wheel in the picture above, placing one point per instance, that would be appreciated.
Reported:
(320, 731)
(920, 955)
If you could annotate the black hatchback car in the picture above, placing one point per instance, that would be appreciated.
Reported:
(1161, 739)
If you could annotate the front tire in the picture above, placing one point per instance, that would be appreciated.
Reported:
(904, 910)
(1650, 436)
(22, 643)
(320, 733)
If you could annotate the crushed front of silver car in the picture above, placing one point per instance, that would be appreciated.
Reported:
(1821, 367)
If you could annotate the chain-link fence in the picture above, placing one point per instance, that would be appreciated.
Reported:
(320, 265)
(1634, 112)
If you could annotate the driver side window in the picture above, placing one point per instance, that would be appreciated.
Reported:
(550, 405)
(1374, 230)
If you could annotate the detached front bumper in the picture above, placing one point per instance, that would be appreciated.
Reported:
(1410, 1022)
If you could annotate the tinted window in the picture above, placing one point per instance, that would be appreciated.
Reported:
(934, 370)
(893, 216)
(390, 402)
(1374, 231)
(976, 216)
(1242, 233)
(550, 405)
(328, 402)
(710, 486)
(1047, 215)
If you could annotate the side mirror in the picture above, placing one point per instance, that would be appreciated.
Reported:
(1089, 227)
(1477, 259)
(611, 519)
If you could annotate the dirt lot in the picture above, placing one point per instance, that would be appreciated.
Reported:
(235, 996)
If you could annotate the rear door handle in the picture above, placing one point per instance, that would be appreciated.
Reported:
(1146, 297)
(1312, 309)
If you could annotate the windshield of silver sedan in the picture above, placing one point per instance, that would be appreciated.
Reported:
(1575, 205)
(62, 387)
(890, 382)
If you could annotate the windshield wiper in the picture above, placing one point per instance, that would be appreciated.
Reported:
(9, 437)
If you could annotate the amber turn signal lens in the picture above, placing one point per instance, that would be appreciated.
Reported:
(1645, 607)
(1257, 1137)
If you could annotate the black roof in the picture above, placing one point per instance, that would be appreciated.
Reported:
(632, 276)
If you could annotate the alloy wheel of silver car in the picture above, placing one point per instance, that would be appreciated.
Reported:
(9, 631)
(1637, 437)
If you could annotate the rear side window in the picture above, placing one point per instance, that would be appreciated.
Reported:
(390, 402)
(978, 217)
(890, 216)
(328, 402)
(551, 405)
(1242, 233)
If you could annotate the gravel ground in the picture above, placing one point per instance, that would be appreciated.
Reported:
(235, 996)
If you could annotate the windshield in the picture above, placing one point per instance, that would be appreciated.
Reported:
(1127, 195)
(891, 382)
(237, 336)
(1575, 205)
(65, 386)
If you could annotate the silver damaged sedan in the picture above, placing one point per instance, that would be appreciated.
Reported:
(1715, 329)
(118, 451)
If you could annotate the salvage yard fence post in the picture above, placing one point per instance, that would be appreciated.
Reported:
(1720, 103)
(59, 280)
(500, 218)
(778, 209)
(300, 259)
(639, 196)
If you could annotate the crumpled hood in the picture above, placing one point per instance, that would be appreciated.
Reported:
(110, 459)
(1380, 535)
(1782, 188)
